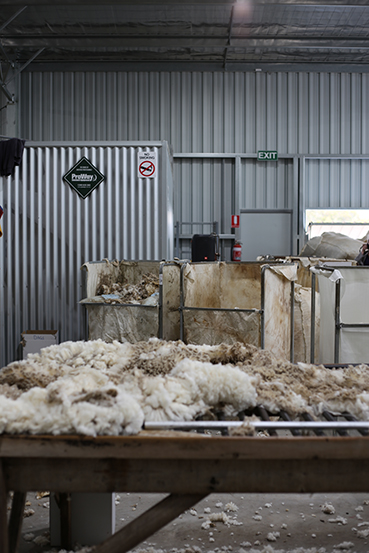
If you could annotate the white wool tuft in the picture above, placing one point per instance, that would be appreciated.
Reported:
(216, 384)
(338, 520)
(361, 533)
(64, 407)
(231, 507)
(273, 536)
(41, 540)
(328, 508)
(219, 517)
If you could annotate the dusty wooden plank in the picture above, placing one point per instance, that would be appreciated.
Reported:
(4, 541)
(188, 476)
(16, 520)
(160, 447)
(148, 523)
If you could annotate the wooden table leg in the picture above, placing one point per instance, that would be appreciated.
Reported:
(148, 523)
(16, 520)
(4, 539)
(63, 501)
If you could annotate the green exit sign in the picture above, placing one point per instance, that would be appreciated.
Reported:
(267, 155)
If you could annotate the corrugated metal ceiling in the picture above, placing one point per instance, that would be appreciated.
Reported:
(220, 33)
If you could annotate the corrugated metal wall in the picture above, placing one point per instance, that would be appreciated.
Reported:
(50, 231)
(337, 183)
(307, 113)
(205, 191)
(266, 185)
(231, 112)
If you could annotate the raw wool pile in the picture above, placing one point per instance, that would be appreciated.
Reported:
(130, 293)
(96, 388)
(10, 391)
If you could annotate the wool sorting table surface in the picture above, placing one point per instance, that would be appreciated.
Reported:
(186, 466)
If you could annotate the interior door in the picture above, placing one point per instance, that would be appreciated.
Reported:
(265, 232)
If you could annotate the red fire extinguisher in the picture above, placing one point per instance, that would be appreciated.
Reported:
(236, 251)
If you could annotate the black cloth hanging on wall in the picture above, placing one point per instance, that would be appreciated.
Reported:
(11, 152)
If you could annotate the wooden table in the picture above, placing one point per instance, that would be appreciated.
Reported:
(187, 467)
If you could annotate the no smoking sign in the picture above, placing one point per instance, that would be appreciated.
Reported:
(146, 169)
(147, 165)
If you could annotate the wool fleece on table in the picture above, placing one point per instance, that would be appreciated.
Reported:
(97, 388)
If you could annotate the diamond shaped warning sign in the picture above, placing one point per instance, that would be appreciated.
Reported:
(84, 177)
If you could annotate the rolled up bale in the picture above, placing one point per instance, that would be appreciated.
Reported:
(333, 245)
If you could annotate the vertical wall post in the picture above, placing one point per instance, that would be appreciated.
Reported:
(177, 239)
(160, 306)
(296, 245)
(237, 192)
(181, 303)
(337, 313)
(292, 346)
(312, 323)
(262, 306)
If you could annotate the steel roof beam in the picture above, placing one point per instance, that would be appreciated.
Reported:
(4, 25)
(229, 37)
(124, 42)
(314, 3)
(98, 41)
(7, 93)
(331, 43)
(194, 65)
(10, 62)
(116, 2)
(24, 65)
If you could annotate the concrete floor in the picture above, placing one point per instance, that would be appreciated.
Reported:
(296, 520)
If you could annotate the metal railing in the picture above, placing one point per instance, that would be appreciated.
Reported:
(179, 237)
(258, 419)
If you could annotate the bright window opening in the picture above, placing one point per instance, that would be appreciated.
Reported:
(351, 222)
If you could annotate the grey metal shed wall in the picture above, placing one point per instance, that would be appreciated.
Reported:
(207, 187)
(266, 185)
(336, 183)
(214, 112)
(205, 191)
(307, 113)
(50, 231)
